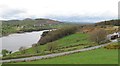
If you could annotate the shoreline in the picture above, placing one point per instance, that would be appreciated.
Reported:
(27, 47)
(54, 54)
(20, 32)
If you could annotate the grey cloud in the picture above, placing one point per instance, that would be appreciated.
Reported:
(11, 13)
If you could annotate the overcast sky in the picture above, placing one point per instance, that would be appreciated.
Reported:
(62, 10)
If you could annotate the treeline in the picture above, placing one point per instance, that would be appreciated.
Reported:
(32, 29)
(57, 34)
(110, 22)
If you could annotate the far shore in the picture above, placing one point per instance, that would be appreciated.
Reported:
(19, 32)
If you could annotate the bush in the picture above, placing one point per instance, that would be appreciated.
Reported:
(4, 52)
(36, 48)
(57, 34)
(51, 47)
(111, 46)
(98, 36)
(22, 50)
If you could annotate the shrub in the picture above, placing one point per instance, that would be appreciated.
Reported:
(57, 34)
(22, 50)
(4, 52)
(36, 48)
(98, 36)
(51, 47)
(111, 46)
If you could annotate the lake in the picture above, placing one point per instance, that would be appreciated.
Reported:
(14, 41)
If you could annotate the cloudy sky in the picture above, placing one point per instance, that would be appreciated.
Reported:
(62, 10)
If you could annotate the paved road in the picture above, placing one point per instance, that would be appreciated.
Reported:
(54, 55)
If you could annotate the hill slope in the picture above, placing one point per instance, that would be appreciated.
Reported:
(35, 22)
(98, 56)
(110, 22)
(27, 25)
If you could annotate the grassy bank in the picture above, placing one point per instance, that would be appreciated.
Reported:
(71, 42)
(98, 56)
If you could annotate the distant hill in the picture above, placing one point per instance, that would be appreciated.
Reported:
(46, 21)
(110, 22)
(28, 25)
(35, 22)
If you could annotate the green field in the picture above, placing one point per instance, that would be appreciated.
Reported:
(71, 40)
(78, 38)
(98, 56)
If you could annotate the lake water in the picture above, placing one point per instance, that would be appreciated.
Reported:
(14, 41)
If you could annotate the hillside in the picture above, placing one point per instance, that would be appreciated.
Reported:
(61, 45)
(64, 39)
(98, 56)
(28, 25)
(34, 22)
(110, 22)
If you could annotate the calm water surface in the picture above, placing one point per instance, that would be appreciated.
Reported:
(14, 41)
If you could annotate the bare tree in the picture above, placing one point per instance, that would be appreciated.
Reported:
(36, 48)
(51, 47)
(118, 28)
(22, 50)
(4, 52)
(98, 35)
(118, 40)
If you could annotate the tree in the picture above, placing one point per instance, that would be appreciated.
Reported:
(35, 48)
(4, 52)
(22, 50)
(10, 52)
(57, 34)
(118, 28)
(98, 36)
(118, 40)
(51, 47)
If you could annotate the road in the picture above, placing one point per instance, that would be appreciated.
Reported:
(55, 54)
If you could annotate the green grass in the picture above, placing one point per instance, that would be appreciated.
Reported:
(74, 39)
(98, 56)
